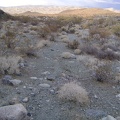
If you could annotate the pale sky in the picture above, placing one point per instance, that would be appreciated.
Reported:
(86, 3)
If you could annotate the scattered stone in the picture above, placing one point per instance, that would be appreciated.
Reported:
(118, 96)
(108, 118)
(118, 118)
(46, 72)
(95, 96)
(15, 82)
(13, 112)
(13, 101)
(51, 77)
(25, 100)
(44, 85)
(6, 79)
(95, 113)
(34, 78)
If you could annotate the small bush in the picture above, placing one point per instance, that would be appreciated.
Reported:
(10, 65)
(104, 33)
(42, 44)
(104, 73)
(116, 30)
(73, 45)
(73, 92)
(91, 50)
(67, 55)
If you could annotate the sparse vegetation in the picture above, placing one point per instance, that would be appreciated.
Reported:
(73, 92)
(116, 30)
(73, 45)
(104, 73)
(10, 64)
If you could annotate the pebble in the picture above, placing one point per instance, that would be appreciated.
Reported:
(46, 72)
(95, 96)
(25, 100)
(33, 78)
(44, 85)
(51, 77)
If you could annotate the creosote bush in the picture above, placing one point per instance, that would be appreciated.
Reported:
(73, 92)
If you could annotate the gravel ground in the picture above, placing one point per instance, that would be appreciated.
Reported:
(52, 71)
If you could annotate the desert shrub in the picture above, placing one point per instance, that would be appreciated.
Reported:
(10, 64)
(116, 30)
(77, 51)
(73, 44)
(67, 55)
(28, 51)
(88, 49)
(104, 72)
(104, 33)
(73, 92)
(42, 44)
(44, 31)
(108, 55)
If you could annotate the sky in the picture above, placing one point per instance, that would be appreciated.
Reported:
(85, 3)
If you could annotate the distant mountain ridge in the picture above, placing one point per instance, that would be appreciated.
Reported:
(38, 9)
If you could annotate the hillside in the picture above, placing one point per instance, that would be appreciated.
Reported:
(88, 12)
(28, 13)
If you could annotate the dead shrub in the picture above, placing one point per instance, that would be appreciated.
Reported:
(104, 33)
(10, 64)
(73, 92)
(88, 49)
(73, 44)
(44, 32)
(104, 73)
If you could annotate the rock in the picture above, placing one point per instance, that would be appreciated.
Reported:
(95, 113)
(118, 96)
(117, 118)
(15, 82)
(108, 118)
(44, 85)
(6, 79)
(51, 77)
(25, 100)
(13, 112)
(34, 78)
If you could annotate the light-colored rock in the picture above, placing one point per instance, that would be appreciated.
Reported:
(25, 100)
(108, 118)
(44, 85)
(34, 78)
(13, 112)
(15, 82)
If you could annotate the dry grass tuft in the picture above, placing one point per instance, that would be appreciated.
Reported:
(10, 65)
(67, 55)
(73, 92)
(42, 44)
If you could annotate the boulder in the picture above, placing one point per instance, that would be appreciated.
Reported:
(13, 112)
